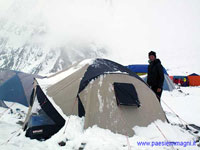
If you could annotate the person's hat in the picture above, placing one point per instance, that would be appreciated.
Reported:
(152, 53)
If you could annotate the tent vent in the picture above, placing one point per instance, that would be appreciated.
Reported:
(126, 94)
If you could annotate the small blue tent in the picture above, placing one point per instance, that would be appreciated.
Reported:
(143, 68)
(16, 86)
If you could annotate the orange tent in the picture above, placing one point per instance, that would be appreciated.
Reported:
(194, 80)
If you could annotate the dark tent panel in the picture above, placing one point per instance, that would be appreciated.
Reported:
(126, 94)
(2, 104)
(44, 122)
(81, 110)
(103, 66)
(193, 74)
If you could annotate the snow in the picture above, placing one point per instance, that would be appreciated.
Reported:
(101, 102)
(101, 80)
(185, 104)
(47, 82)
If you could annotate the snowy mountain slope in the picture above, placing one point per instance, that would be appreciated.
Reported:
(30, 42)
(33, 60)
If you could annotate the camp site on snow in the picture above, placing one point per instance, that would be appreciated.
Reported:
(103, 92)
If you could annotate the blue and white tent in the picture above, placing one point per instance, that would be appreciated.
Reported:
(143, 68)
(16, 86)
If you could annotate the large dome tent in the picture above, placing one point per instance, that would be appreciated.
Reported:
(106, 93)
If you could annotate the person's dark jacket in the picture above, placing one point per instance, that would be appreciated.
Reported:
(155, 76)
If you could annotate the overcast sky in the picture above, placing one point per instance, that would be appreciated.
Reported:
(128, 29)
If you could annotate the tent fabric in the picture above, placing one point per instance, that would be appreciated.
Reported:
(142, 68)
(44, 120)
(48, 107)
(103, 66)
(118, 118)
(12, 90)
(90, 92)
(194, 80)
(138, 68)
(167, 85)
(16, 86)
(2, 104)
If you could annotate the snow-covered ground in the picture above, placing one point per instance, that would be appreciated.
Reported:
(184, 102)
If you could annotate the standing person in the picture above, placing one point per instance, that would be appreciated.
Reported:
(155, 77)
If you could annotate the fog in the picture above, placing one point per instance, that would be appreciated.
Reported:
(126, 29)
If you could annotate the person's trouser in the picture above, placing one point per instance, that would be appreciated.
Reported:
(158, 94)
